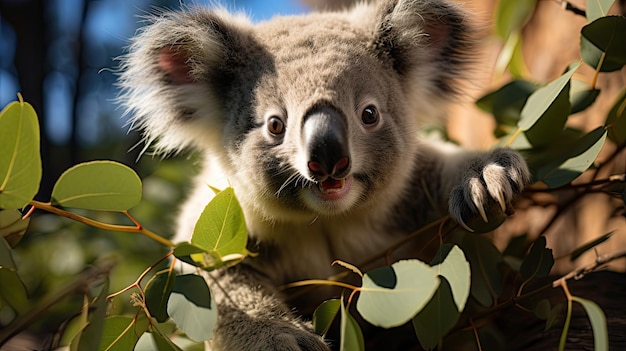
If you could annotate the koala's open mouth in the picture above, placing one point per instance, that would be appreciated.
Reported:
(334, 189)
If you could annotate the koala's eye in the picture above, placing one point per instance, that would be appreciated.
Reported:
(275, 125)
(370, 115)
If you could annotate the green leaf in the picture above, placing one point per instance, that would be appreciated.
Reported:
(573, 162)
(221, 227)
(121, 333)
(12, 226)
(437, 318)
(88, 338)
(457, 272)
(616, 120)
(542, 309)
(384, 307)
(192, 307)
(603, 43)
(324, 315)
(157, 293)
(539, 261)
(350, 332)
(6, 257)
(98, 185)
(511, 16)
(507, 102)
(485, 260)
(581, 250)
(582, 95)
(544, 98)
(20, 160)
(597, 9)
(13, 291)
(598, 323)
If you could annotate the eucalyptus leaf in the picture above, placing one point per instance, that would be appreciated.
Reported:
(433, 322)
(157, 293)
(221, 227)
(20, 160)
(6, 257)
(13, 291)
(598, 323)
(573, 162)
(543, 98)
(538, 262)
(507, 102)
(616, 120)
(98, 185)
(12, 226)
(511, 16)
(597, 8)
(192, 307)
(485, 260)
(89, 336)
(385, 307)
(324, 315)
(603, 43)
(457, 272)
(350, 332)
(122, 333)
(582, 95)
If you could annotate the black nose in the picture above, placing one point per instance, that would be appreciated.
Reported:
(325, 136)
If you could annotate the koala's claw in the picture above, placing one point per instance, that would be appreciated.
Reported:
(488, 187)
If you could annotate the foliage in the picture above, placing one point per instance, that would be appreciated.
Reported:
(175, 311)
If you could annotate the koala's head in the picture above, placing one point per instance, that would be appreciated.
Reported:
(307, 115)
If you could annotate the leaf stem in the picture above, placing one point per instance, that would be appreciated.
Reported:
(111, 227)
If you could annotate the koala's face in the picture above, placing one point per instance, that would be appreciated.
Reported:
(310, 115)
(329, 126)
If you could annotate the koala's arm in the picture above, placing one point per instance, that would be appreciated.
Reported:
(253, 317)
(479, 186)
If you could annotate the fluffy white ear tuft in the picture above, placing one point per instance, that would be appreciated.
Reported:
(174, 72)
(429, 39)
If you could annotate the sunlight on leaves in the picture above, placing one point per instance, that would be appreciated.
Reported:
(457, 272)
(616, 120)
(385, 307)
(597, 8)
(221, 227)
(20, 159)
(122, 333)
(98, 185)
(192, 307)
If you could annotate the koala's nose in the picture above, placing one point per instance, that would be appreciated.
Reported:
(325, 138)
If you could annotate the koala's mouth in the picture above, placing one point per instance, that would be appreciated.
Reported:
(333, 189)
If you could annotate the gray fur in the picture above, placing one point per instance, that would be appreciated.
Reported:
(213, 81)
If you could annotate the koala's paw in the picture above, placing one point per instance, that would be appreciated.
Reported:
(268, 335)
(488, 185)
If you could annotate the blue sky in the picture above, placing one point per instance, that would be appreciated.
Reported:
(109, 24)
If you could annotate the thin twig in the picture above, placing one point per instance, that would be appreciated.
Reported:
(580, 272)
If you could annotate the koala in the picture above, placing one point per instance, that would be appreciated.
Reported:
(314, 120)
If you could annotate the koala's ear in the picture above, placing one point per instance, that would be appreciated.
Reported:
(175, 71)
(424, 39)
